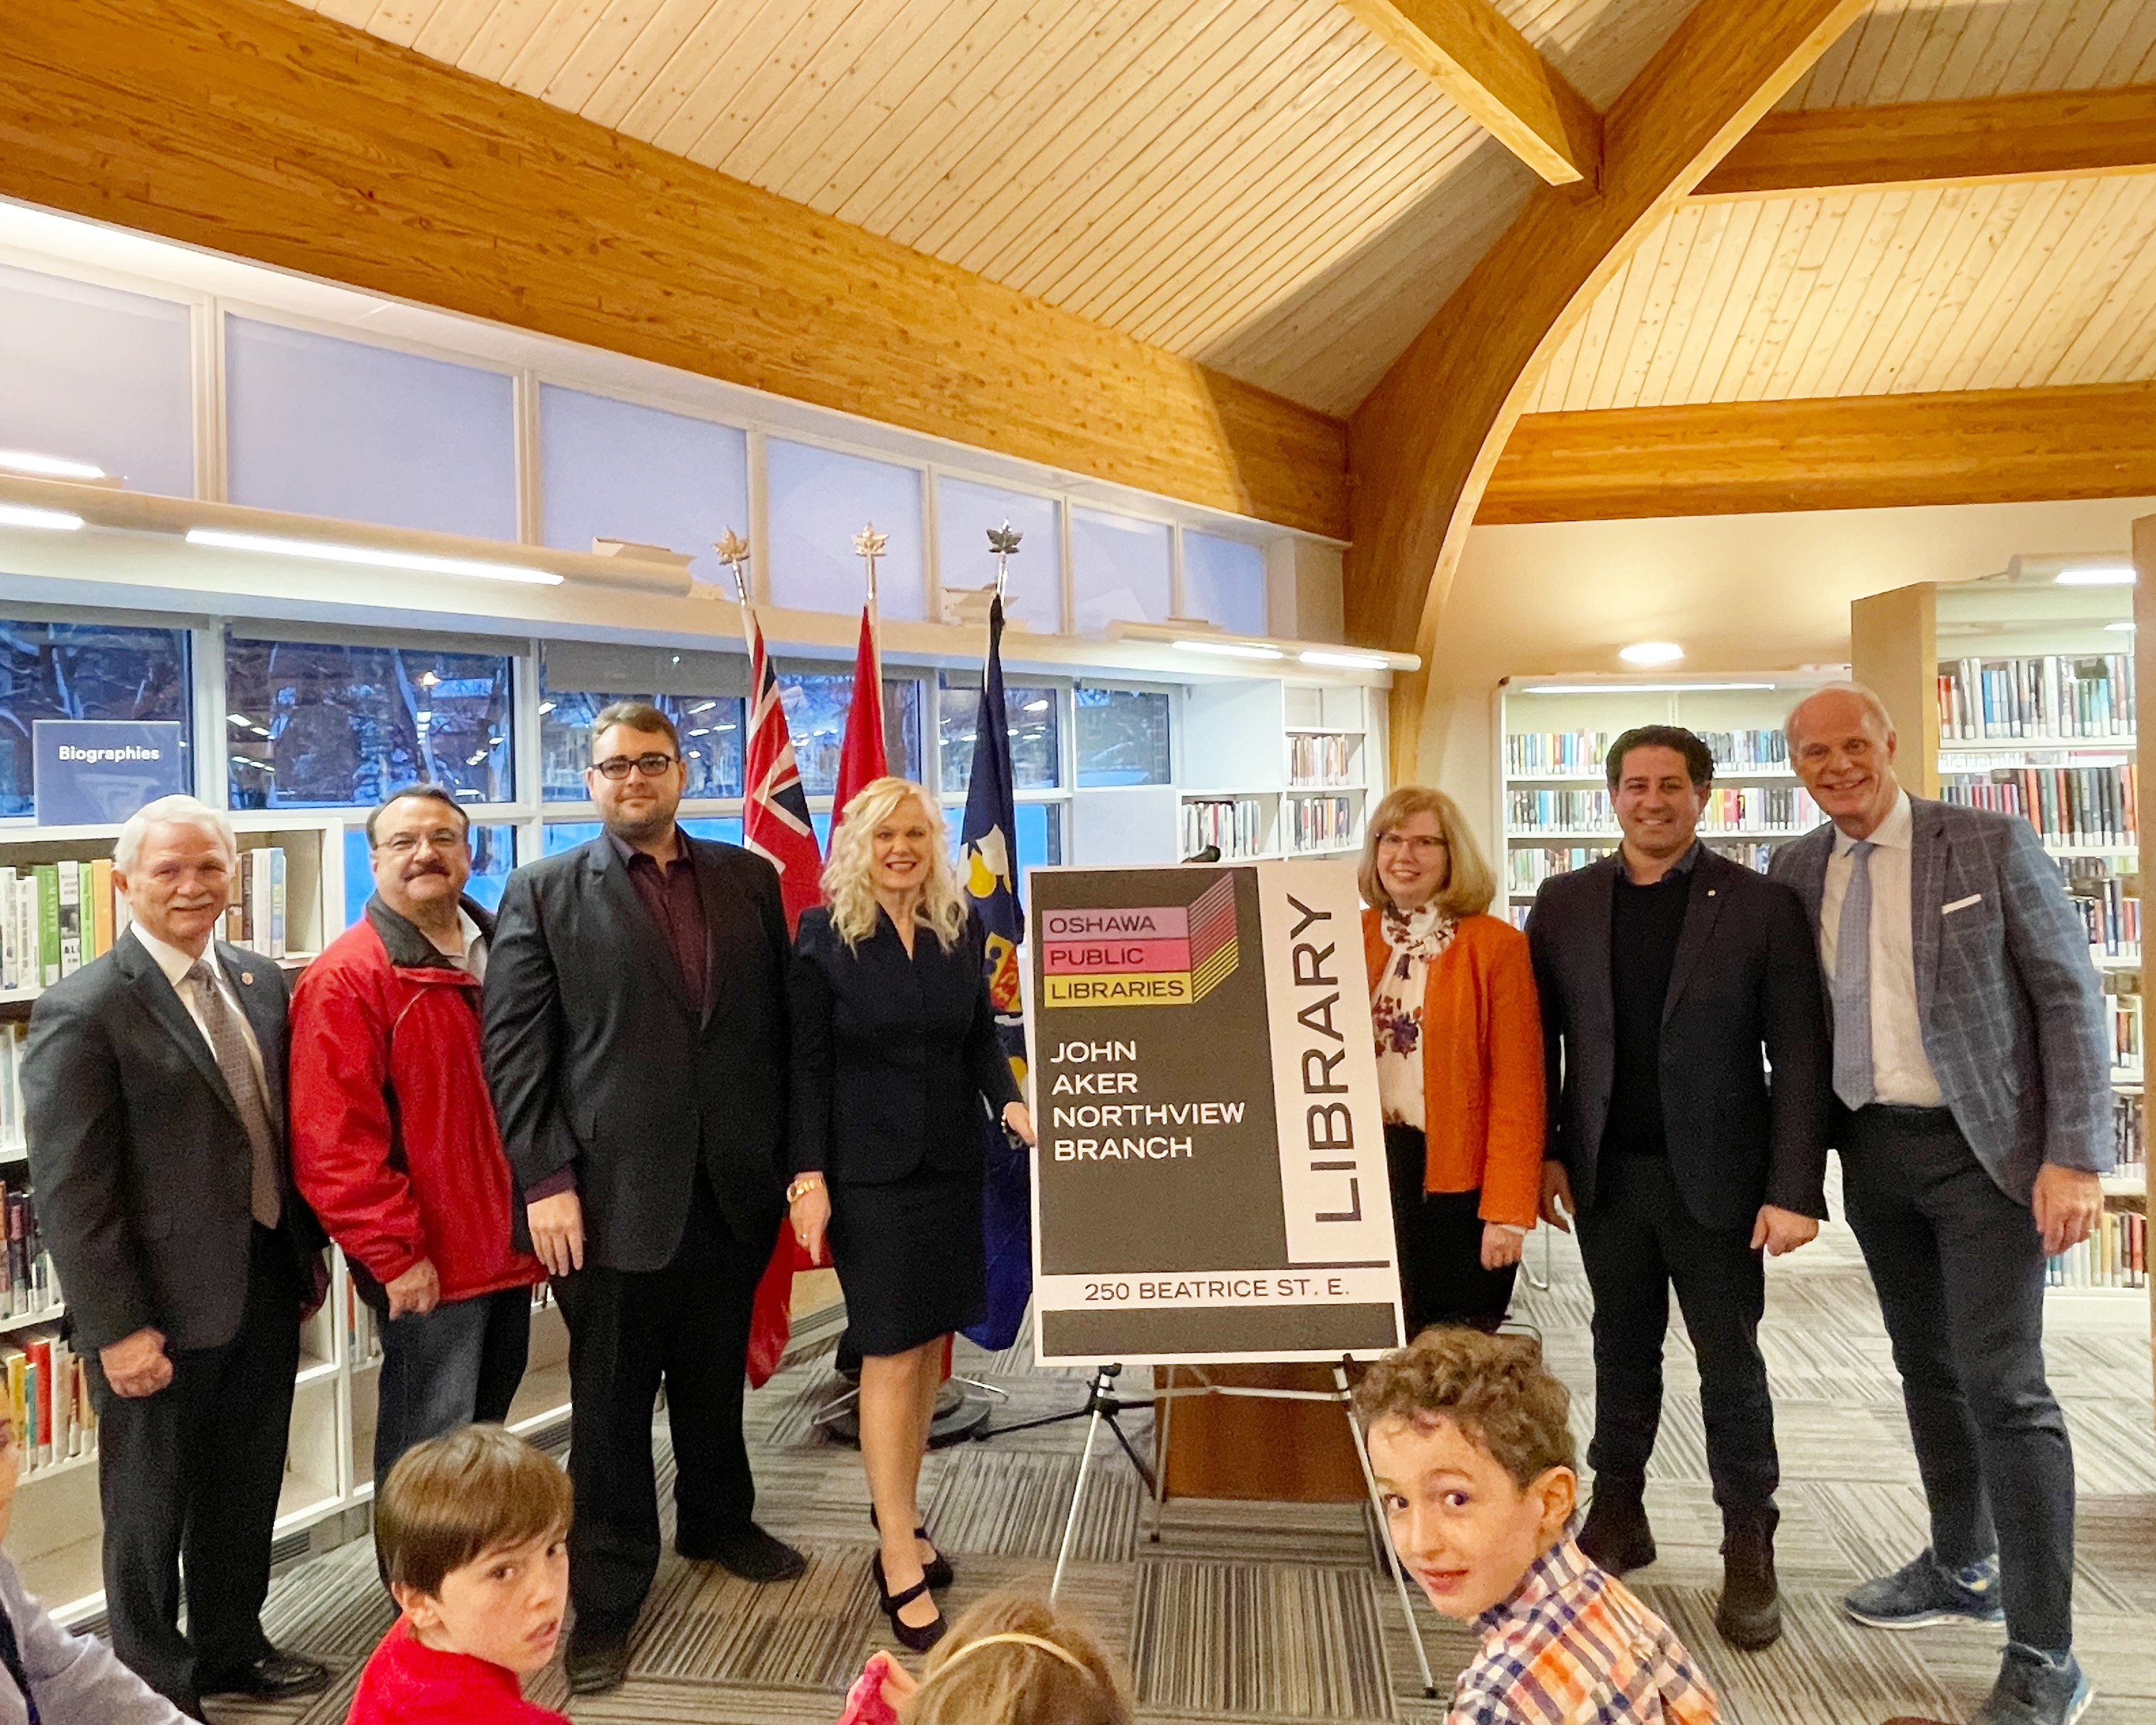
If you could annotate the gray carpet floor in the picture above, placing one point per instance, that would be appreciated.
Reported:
(1277, 1613)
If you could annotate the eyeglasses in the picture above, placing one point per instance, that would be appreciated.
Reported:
(650, 766)
(1419, 844)
(442, 839)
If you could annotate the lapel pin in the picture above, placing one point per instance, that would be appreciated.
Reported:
(247, 978)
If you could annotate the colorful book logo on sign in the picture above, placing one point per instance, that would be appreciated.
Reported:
(1172, 956)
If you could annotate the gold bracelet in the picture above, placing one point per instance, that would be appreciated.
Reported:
(802, 1186)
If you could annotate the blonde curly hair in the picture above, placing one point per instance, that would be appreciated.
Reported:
(849, 879)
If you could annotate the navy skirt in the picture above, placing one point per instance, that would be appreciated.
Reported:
(910, 1258)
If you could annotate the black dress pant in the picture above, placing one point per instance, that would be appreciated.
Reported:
(191, 1476)
(1638, 1240)
(1439, 1235)
(687, 1324)
(1959, 1267)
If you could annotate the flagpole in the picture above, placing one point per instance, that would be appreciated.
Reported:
(869, 545)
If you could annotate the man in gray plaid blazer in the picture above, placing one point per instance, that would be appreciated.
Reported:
(1973, 1112)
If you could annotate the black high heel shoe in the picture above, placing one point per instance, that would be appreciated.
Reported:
(937, 1572)
(918, 1640)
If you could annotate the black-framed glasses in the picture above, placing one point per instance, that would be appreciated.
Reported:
(616, 767)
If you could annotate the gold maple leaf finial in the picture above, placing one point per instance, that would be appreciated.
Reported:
(732, 550)
(1003, 541)
(869, 543)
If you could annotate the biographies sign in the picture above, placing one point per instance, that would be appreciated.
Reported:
(98, 771)
(1209, 1182)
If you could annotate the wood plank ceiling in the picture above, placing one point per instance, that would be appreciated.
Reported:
(1260, 185)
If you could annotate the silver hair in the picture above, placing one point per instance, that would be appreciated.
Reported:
(1873, 707)
(169, 811)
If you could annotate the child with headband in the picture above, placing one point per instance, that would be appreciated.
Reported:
(1012, 1659)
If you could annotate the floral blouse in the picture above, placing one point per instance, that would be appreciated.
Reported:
(1416, 938)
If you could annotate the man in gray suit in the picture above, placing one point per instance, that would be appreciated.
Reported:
(1971, 1073)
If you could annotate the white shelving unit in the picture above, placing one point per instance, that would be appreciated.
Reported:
(1277, 769)
(56, 1536)
(1554, 733)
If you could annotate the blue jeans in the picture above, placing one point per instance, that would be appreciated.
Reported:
(459, 1362)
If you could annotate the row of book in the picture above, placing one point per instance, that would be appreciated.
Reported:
(2115, 1255)
(2054, 696)
(2067, 805)
(2122, 1006)
(48, 1399)
(1237, 824)
(56, 916)
(1527, 867)
(1567, 754)
(1739, 809)
(13, 1032)
(2109, 907)
(1321, 758)
(2129, 1122)
(1319, 823)
(29, 1282)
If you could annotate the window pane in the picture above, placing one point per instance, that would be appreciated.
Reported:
(816, 703)
(98, 376)
(314, 725)
(964, 513)
(727, 829)
(1039, 833)
(1119, 570)
(83, 670)
(614, 469)
(1029, 713)
(568, 834)
(359, 433)
(711, 728)
(1224, 581)
(819, 500)
(1123, 736)
(493, 851)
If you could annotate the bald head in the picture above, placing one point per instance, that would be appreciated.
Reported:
(1842, 744)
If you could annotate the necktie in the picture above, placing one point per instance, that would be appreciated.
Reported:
(229, 1043)
(1852, 983)
(11, 1658)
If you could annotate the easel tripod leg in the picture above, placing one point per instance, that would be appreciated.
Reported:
(1077, 1495)
(1160, 1459)
(1391, 1556)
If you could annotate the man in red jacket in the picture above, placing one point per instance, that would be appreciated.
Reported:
(394, 1142)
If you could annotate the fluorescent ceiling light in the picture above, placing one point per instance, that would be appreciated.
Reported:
(2096, 575)
(49, 466)
(2117, 629)
(20, 515)
(1637, 688)
(703, 706)
(328, 551)
(1231, 650)
(1346, 661)
(1036, 707)
(1651, 653)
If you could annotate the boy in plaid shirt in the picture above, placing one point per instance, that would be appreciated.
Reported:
(1469, 1439)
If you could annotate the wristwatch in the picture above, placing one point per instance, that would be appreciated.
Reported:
(802, 1183)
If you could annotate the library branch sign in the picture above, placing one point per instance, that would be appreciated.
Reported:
(98, 771)
(1210, 1179)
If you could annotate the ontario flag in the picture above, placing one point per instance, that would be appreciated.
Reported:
(775, 825)
(988, 861)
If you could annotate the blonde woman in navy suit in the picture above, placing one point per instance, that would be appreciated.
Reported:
(895, 1055)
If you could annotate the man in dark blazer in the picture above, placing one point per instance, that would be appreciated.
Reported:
(154, 1087)
(1974, 1114)
(1665, 973)
(636, 1046)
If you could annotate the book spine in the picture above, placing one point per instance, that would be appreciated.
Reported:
(49, 924)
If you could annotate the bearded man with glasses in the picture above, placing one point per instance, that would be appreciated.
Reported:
(636, 1045)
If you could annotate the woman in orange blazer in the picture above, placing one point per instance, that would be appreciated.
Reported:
(1459, 1061)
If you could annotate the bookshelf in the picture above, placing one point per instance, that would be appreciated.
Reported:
(1277, 769)
(57, 1533)
(1553, 804)
(2018, 693)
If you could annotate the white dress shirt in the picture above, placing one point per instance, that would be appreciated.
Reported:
(473, 958)
(1900, 1071)
(176, 965)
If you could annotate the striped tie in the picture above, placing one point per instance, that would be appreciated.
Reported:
(229, 1043)
(1852, 983)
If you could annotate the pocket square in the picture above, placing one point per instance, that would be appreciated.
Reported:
(1961, 904)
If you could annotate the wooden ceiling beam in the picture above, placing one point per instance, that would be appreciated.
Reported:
(1492, 72)
(1838, 452)
(260, 129)
(1422, 446)
(2043, 136)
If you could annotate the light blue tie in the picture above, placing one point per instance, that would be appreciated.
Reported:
(1852, 983)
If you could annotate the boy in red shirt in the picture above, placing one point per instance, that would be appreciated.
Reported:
(472, 1531)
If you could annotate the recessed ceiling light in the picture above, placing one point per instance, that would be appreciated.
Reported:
(1651, 653)
(329, 551)
(55, 520)
(49, 466)
(2096, 575)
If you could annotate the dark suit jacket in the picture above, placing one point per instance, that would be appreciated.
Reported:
(1745, 979)
(600, 1064)
(143, 1173)
(891, 1055)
